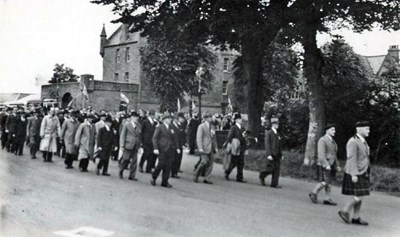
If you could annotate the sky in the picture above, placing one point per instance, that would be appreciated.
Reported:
(35, 35)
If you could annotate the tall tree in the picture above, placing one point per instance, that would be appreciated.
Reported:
(63, 74)
(313, 16)
(245, 25)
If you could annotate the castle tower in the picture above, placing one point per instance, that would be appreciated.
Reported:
(103, 40)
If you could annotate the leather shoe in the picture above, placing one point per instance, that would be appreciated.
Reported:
(175, 177)
(262, 181)
(207, 181)
(344, 216)
(166, 185)
(330, 202)
(97, 171)
(276, 186)
(120, 175)
(241, 180)
(133, 179)
(106, 174)
(140, 169)
(153, 182)
(226, 176)
(359, 221)
(314, 197)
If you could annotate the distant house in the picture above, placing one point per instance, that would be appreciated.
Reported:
(379, 64)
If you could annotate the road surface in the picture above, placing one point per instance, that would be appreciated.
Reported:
(44, 199)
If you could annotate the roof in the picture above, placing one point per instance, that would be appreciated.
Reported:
(122, 36)
(375, 62)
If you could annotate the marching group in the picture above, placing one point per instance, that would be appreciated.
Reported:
(159, 139)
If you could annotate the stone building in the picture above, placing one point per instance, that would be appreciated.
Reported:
(122, 64)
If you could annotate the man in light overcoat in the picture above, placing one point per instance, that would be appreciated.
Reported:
(130, 141)
(84, 139)
(49, 130)
(68, 132)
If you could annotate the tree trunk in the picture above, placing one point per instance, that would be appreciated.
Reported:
(313, 62)
(252, 56)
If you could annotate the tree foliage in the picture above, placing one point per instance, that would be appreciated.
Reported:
(170, 66)
(63, 74)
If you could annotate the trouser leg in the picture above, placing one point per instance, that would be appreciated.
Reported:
(276, 172)
(209, 166)
(240, 166)
(167, 167)
(133, 167)
(105, 167)
(83, 164)
(232, 164)
(160, 166)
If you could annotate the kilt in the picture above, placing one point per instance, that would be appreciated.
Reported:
(327, 176)
(361, 188)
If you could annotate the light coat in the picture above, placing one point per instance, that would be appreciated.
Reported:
(84, 139)
(327, 151)
(68, 132)
(49, 130)
(205, 139)
(357, 156)
(130, 137)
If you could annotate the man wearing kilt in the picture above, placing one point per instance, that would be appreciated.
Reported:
(356, 174)
(327, 165)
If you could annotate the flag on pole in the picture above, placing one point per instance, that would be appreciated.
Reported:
(179, 105)
(230, 104)
(71, 103)
(193, 106)
(84, 90)
(124, 98)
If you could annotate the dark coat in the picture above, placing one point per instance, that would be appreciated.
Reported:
(192, 128)
(148, 131)
(33, 130)
(236, 132)
(105, 140)
(180, 133)
(20, 128)
(164, 139)
(10, 123)
(3, 120)
(272, 144)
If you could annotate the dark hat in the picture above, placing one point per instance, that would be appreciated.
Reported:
(181, 115)
(108, 119)
(207, 115)
(134, 114)
(90, 116)
(103, 114)
(329, 125)
(237, 116)
(274, 120)
(74, 112)
(152, 112)
(362, 124)
(165, 116)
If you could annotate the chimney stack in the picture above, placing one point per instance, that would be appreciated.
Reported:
(394, 52)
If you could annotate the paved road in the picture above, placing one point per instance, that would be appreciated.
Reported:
(39, 199)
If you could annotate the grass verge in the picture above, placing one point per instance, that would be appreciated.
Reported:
(382, 178)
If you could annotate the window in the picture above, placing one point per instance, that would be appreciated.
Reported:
(127, 56)
(225, 87)
(226, 64)
(117, 56)
(127, 76)
(116, 77)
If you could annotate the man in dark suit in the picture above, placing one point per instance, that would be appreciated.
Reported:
(237, 131)
(130, 141)
(273, 155)
(148, 127)
(105, 142)
(165, 145)
(33, 133)
(191, 133)
(116, 124)
(11, 129)
(3, 120)
(180, 133)
(206, 143)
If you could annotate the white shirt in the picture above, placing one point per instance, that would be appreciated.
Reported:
(361, 137)
(275, 131)
(166, 125)
(108, 129)
(151, 120)
(133, 124)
